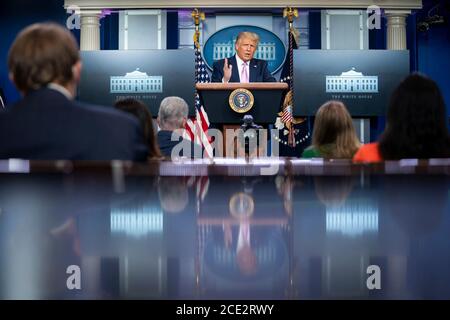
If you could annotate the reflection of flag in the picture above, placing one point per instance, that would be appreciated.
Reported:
(197, 127)
(201, 185)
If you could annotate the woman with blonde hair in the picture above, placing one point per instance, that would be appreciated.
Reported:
(334, 136)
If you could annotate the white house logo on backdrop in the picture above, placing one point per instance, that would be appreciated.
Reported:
(266, 50)
(352, 82)
(136, 82)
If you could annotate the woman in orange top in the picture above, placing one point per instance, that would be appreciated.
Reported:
(416, 124)
(368, 153)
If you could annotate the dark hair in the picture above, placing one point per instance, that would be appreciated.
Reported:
(416, 122)
(140, 110)
(42, 53)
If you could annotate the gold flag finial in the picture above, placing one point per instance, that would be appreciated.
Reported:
(290, 13)
(197, 16)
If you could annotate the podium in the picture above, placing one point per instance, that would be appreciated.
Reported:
(267, 101)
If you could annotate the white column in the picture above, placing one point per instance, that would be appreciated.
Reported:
(396, 29)
(90, 30)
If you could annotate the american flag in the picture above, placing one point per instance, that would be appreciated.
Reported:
(287, 114)
(287, 76)
(197, 128)
(296, 129)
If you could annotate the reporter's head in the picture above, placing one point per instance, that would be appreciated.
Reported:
(44, 53)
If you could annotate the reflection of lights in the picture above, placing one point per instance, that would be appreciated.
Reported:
(439, 162)
(312, 161)
(137, 221)
(267, 161)
(264, 255)
(353, 218)
(230, 161)
(184, 167)
(15, 166)
(402, 166)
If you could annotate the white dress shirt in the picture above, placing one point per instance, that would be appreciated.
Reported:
(60, 89)
(239, 62)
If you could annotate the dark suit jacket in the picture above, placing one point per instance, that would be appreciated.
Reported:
(258, 69)
(46, 125)
(166, 145)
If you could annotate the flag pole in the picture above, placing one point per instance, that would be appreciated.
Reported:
(198, 128)
(290, 13)
(197, 16)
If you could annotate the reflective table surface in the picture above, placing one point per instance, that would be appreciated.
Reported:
(313, 230)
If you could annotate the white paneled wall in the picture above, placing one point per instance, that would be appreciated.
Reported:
(142, 29)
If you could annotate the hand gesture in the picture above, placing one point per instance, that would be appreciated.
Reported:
(226, 71)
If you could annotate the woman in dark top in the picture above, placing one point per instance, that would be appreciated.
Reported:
(416, 124)
(140, 110)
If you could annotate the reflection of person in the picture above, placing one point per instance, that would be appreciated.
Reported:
(334, 136)
(68, 229)
(172, 116)
(242, 67)
(416, 124)
(140, 110)
(285, 187)
(417, 203)
(245, 256)
(173, 194)
(419, 207)
(333, 191)
(45, 66)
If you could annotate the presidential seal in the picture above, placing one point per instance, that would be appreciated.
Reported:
(241, 100)
(241, 205)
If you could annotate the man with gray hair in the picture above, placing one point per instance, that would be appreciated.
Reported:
(172, 117)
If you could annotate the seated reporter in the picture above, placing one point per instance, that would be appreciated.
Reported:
(334, 136)
(416, 125)
(142, 113)
(47, 123)
(172, 117)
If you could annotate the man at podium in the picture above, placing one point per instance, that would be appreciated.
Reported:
(242, 67)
